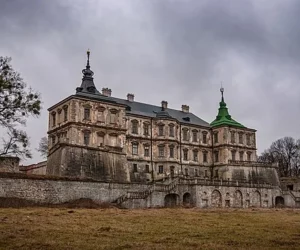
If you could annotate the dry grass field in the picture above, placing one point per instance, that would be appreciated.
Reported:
(62, 228)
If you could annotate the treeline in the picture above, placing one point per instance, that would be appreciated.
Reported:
(286, 153)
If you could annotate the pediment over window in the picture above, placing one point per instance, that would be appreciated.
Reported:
(101, 133)
(113, 111)
(86, 105)
(100, 108)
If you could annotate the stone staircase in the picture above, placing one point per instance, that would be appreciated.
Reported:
(146, 193)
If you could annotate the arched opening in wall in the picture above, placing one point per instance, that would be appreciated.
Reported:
(279, 201)
(216, 199)
(171, 200)
(187, 200)
(238, 199)
(256, 199)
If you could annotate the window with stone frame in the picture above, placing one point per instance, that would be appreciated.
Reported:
(216, 156)
(204, 137)
(249, 154)
(100, 139)
(248, 139)
(232, 136)
(217, 173)
(87, 113)
(58, 120)
(241, 135)
(185, 133)
(146, 129)
(171, 130)
(53, 119)
(205, 173)
(53, 140)
(160, 130)
(233, 155)
(171, 151)
(216, 137)
(204, 156)
(135, 148)
(146, 150)
(135, 168)
(86, 137)
(196, 172)
(161, 151)
(195, 135)
(160, 169)
(195, 155)
(113, 116)
(241, 156)
(100, 113)
(134, 127)
(186, 172)
(185, 154)
(65, 108)
(147, 168)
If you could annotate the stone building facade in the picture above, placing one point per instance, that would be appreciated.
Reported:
(95, 135)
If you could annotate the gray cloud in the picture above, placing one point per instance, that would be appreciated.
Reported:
(177, 50)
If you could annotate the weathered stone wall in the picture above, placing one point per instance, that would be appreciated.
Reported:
(9, 164)
(58, 191)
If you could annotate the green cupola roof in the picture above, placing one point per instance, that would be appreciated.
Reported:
(223, 118)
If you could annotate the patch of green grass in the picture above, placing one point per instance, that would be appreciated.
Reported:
(59, 228)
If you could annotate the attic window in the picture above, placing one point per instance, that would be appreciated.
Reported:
(187, 119)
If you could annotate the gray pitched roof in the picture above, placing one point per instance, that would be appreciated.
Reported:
(148, 110)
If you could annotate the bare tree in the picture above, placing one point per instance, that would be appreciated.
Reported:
(285, 152)
(16, 104)
(43, 147)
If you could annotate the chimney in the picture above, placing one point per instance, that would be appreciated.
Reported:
(185, 108)
(106, 91)
(130, 97)
(164, 105)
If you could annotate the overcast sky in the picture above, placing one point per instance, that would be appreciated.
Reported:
(173, 50)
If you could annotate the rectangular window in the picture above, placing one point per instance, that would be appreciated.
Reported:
(240, 138)
(134, 128)
(185, 134)
(205, 156)
(53, 120)
(195, 155)
(185, 155)
(100, 116)
(87, 114)
(248, 139)
(233, 153)
(171, 132)
(217, 173)
(216, 137)
(147, 169)
(196, 172)
(161, 151)
(135, 168)
(160, 169)
(241, 156)
(171, 152)
(53, 140)
(86, 138)
(205, 173)
(161, 130)
(186, 172)
(232, 137)
(65, 114)
(147, 151)
(249, 156)
(195, 135)
(216, 154)
(134, 148)
(204, 137)
(146, 129)
(113, 117)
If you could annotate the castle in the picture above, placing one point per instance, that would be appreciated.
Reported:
(141, 155)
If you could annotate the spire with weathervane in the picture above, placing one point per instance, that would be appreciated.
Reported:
(223, 118)
(87, 84)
